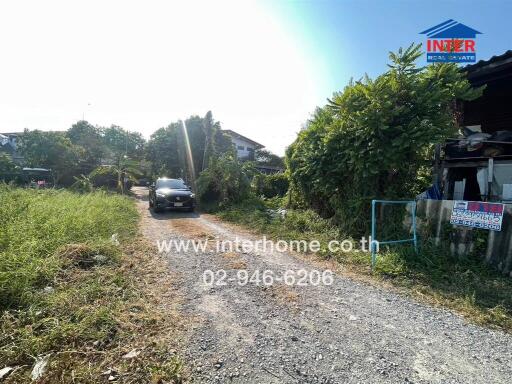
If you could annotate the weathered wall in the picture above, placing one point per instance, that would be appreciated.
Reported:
(495, 247)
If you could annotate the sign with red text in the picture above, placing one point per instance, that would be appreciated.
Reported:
(451, 42)
(478, 214)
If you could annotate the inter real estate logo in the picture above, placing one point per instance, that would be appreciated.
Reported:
(451, 42)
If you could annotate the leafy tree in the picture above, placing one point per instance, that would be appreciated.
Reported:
(270, 185)
(206, 140)
(51, 150)
(6, 164)
(225, 181)
(126, 168)
(82, 184)
(112, 176)
(166, 151)
(223, 143)
(375, 137)
(209, 145)
(105, 177)
(120, 143)
(90, 139)
(265, 157)
(81, 150)
(167, 147)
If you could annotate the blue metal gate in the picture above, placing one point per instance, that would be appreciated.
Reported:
(374, 240)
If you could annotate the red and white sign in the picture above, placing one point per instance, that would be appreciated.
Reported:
(478, 214)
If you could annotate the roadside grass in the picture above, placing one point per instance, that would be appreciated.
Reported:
(465, 285)
(67, 290)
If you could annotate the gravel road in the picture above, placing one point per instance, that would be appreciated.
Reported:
(347, 332)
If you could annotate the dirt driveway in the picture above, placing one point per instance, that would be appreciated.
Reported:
(347, 332)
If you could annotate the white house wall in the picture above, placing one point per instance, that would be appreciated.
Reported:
(245, 152)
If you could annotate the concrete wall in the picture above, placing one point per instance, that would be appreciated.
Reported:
(495, 247)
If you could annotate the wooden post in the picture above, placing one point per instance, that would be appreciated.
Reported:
(490, 176)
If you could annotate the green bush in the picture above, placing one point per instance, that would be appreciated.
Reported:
(104, 177)
(375, 139)
(6, 164)
(224, 182)
(270, 185)
(82, 184)
(9, 171)
(263, 215)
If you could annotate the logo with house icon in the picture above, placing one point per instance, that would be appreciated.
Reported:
(451, 42)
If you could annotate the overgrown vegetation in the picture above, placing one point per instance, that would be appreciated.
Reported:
(79, 150)
(375, 139)
(270, 185)
(9, 171)
(226, 181)
(67, 290)
(265, 157)
(6, 164)
(167, 147)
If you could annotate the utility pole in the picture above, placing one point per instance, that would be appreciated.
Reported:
(83, 112)
(125, 158)
(207, 124)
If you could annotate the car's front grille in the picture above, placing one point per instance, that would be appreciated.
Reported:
(178, 199)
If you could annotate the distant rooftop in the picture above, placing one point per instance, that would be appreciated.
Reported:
(242, 137)
(11, 133)
(30, 130)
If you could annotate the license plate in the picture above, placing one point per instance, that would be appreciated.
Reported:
(178, 204)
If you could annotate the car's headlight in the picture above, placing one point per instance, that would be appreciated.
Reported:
(160, 195)
(193, 196)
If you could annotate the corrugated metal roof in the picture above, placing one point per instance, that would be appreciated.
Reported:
(505, 57)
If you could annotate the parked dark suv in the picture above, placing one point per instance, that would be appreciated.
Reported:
(171, 193)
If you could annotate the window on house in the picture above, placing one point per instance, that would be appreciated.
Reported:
(240, 147)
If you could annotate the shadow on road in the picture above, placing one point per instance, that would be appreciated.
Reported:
(171, 215)
(141, 197)
(140, 193)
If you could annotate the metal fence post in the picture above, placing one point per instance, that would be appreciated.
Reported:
(415, 237)
(372, 240)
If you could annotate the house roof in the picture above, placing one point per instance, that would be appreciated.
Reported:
(451, 29)
(5, 143)
(496, 68)
(242, 137)
(493, 61)
(31, 130)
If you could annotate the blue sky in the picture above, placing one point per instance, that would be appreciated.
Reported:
(261, 66)
(349, 38)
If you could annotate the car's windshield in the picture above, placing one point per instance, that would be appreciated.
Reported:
(171, 183)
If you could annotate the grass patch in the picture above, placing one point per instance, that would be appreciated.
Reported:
(68, 291)
(466, 285)
(35, 224)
